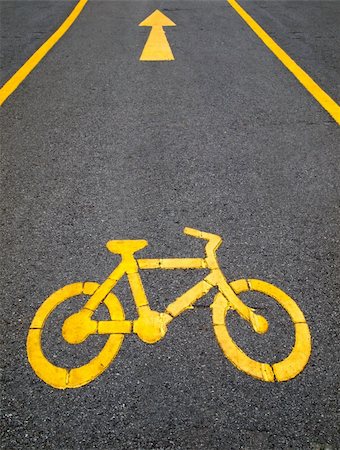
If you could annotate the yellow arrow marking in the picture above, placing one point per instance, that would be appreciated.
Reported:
(157, 47)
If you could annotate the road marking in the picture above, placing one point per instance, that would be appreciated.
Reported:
(151, 326)
(157, 47)
(319, 94)
(11, 85)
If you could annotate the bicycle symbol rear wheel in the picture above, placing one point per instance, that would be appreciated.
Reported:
(284, 370)
(62, 377)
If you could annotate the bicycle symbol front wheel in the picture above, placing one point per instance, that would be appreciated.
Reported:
(62, 377)
(283, 370)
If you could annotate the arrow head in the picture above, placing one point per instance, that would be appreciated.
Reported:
(157, 18)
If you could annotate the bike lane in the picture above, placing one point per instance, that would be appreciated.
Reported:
(101, 146)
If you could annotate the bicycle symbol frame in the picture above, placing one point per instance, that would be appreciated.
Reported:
(151, 326)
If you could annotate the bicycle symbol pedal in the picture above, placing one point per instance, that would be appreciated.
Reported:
(151, 326)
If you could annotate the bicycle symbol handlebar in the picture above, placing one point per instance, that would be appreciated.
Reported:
(151, 326)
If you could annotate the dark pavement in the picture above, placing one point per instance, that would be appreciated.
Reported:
(97, 145)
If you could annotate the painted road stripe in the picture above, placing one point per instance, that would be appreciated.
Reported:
(319, 94)
(10, 86)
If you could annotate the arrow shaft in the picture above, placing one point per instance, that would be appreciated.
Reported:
(157, 47)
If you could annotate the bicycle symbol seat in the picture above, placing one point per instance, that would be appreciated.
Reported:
(151, 326)
(121, 247)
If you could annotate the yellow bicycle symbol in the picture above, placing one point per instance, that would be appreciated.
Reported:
(151, 326)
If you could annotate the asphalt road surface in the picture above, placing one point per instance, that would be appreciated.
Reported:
(97, 145)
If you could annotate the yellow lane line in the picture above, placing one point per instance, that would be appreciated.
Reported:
(319, 94)
(10, 86)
